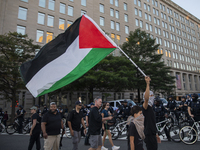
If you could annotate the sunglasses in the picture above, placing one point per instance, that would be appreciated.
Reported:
(80, 105)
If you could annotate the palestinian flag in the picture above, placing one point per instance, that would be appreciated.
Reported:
(66, 58)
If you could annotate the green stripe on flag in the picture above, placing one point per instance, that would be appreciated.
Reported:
(92, 58)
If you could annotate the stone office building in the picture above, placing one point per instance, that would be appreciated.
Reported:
(176, 30)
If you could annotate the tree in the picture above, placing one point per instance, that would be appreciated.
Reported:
(111, 74)
(14, 50)
(141, 48)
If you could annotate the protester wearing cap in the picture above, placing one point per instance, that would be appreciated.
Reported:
(35, 129)
(150, 131)
(51, 125)
(74, 122)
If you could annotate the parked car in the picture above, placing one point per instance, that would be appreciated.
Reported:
(115, 103)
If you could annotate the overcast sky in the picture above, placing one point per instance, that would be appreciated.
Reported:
(192, 6)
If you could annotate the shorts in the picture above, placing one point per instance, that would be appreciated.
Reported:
(95, 141)
(106, 127)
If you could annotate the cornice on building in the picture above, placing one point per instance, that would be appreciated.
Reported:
(183, 11)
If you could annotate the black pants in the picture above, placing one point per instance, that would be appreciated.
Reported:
(20, 124)
(151, 142)
(35, 137)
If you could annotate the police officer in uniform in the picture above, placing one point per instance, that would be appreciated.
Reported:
(183, 106)
(194, 108)
(45, 110)
(171, 106)
(20, 115)
(125, 110)
(160, 113)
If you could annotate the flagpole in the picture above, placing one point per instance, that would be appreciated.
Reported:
(132, 61)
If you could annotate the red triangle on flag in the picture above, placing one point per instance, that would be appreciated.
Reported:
(91, 37)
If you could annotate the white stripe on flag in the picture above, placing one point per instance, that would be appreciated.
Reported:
(57, 69)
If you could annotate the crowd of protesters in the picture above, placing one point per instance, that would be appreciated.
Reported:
(141, 122)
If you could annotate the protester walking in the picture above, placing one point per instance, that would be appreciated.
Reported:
(5, 118)
(95, 125)
(136, 129)
(74, 122)
(51, 125)
(150, 131)
(35, 129)
(105, 126)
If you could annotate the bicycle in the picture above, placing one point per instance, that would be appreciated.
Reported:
(2, 126)
(189, 134)
(172, 129)
(118, 130)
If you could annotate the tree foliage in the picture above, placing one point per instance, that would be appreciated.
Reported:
(141, 48)
(14, 50)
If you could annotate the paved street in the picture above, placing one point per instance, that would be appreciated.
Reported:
(20, 142)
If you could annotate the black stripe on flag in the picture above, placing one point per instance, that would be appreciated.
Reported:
(50, 51)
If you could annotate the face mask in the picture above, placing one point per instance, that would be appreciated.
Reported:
(151, 101)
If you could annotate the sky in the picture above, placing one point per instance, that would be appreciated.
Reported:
(192, 6)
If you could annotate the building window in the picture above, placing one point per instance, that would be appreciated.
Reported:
(112, 24)
(101, 8)
(147, 26)
(50, 21)
(125, 17)
(141, 24)
(102, 21)
(51, 4)
(140, 13)
(117, 26)
(117, 3)
(41, 18)
(136, 22)
(136, 11)
(62, 8)
(42, 3)
(49, 37)
(62, 24)
(139, 3)
(69, 23)
(151, 28)
(70, 10)
(39, 36)
(126, 29)
(24, 0)
(111, 12)
(111, 2)
(21, 29)
(117, 14)
(135, 2)
(125, 6)
(83, 12)
(118, 39)
(22, 14)
(83, 2)
(145, 6)
(146, 16)
(149, 17)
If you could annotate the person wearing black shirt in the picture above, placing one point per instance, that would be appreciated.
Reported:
(136, 129)
(150, 131)
(161, 113)
(51, 125)
(35, 129)
(95, 125)
(194, 108)
(74, 122)
(45, 110)
(125, 110)
(183, 106)
(20, 116)
(171, 106)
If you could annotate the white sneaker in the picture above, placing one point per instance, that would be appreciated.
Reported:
(115, 147)
(104, 148)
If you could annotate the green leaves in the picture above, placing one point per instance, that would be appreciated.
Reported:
(142, 50)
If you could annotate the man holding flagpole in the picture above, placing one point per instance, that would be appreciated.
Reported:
(150, 131)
